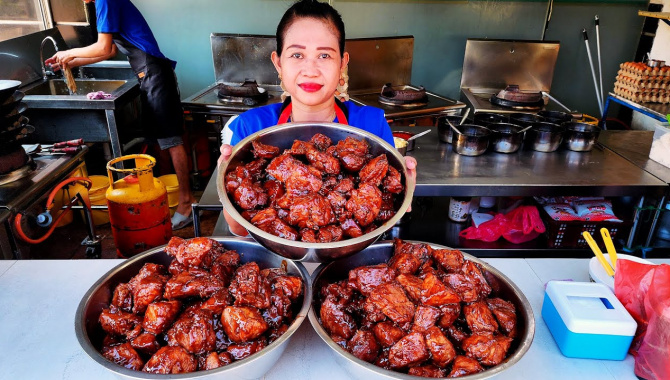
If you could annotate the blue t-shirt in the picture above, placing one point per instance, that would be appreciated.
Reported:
(122, 17)
(367, 118)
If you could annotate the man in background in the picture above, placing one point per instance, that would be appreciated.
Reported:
(121, 25)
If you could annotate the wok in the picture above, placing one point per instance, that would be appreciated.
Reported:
(8, 120)
(11, 102)
(7, 88)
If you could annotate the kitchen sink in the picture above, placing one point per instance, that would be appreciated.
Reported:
(84, 86)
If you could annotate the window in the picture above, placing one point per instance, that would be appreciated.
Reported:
(20, 17)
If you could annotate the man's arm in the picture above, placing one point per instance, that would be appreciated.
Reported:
(103, 49)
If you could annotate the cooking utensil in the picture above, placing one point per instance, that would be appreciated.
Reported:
(599, 254)
(465, 115)
(506, 137)
(580, 137)
(544, 137)
(445, 133)
(556, 101)
(381, 252)
(593, 73)
(454, 128)
(472, 141)
(556, 117)
(90, 335)
(609, 244)
(11, 102)
(7, 88)
(600, 65)
(598, 274)
(12, 117)
(282, 136)
(418, 135)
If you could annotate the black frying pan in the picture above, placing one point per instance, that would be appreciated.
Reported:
(7, 88)
(8, 120)
(13, 137)
(11, 103)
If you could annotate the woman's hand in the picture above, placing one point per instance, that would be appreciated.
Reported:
(411, 164)
(226, 151)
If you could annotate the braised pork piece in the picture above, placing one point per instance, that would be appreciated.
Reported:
(315, 191)
(204, 311)
(427, 312)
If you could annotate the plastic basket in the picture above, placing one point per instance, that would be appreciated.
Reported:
(568, 234)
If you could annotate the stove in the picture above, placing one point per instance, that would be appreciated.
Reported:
(430, 107)
(27, 193)
(509, 72)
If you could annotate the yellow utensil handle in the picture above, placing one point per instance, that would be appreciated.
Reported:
(596, 250)
(609, 245)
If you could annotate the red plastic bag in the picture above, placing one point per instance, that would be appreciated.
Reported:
(644, 290)
(518, 226)
(523, 224)
(491, 230)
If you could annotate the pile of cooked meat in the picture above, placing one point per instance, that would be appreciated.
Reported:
(204, 311)
(427, 312)
(315, 191)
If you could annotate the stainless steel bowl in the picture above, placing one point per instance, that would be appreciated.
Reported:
(580, 137)
(444, 131)
(282, 136)
(505, 137)
(380, 253)
(472, 141)
(90, 335)
(544, 137)
(405, 136)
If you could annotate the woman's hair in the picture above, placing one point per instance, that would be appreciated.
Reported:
(307, 9)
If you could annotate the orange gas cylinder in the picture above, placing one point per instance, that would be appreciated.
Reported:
(138, 207)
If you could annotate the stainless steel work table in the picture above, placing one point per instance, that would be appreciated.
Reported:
(600, 172)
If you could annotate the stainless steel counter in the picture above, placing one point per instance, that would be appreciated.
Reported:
(635, 146)
(600, 172)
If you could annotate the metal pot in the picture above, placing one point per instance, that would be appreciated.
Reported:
(90, 335)
(282, 136)
(472, 141)
(444, 131)
(556, 117)
(505, 137)
(525, 119)
(655, 63)
(486, 118)
(544, 137)
(380, 253)
(580, 137)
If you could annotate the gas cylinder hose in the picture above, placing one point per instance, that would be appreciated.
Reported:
(52, 195)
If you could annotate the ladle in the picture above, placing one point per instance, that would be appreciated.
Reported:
(465, 115)
(452, 127)
(418, 135)
(525, 129)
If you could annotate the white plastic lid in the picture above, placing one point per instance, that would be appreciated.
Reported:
(590, 308)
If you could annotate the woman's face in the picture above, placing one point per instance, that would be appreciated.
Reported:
(310, 64)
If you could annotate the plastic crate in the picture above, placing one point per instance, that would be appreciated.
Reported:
(568, 234)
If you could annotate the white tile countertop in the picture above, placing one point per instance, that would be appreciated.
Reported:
(38, 300)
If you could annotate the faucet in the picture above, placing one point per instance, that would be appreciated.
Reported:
(44, 70)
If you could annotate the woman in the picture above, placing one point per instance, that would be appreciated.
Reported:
(310, 60)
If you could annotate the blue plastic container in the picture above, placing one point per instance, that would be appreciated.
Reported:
(587, 320)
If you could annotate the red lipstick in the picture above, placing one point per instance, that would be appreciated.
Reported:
(310, 87)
